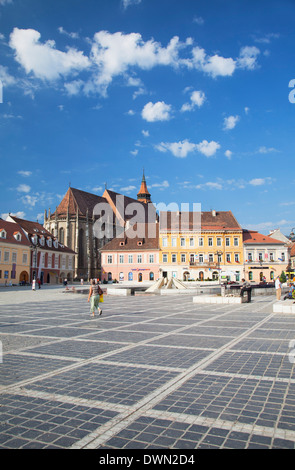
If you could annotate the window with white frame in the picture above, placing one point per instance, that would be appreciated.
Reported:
(201, 241)
(201, 258)
(191, 242)
(130, 259)
(250, 256)
(182, 242)
(14, 257)
(210, 241)
(110, 259)
(218, 241)
(271, 256)
(228, 258)
(237, 258)
(227, 241)
(121, 259)
(283, 256)
(236, 241)
(49, 260)
(174, 242)
(3, 233)
(6, 256)
(164, 242)
(165, 257)
(260, 256)
(25, 258)
(211, 259)
(151, 258)
(183, 257)
(174, 258)
(139, 258)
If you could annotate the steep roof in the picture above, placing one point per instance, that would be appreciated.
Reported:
(34, 228)
(119, 203)
(209, 221)
(76, 199)
(148, 237)
(11, 229)
(253, 237)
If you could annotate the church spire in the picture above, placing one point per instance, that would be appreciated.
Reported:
(143, 195)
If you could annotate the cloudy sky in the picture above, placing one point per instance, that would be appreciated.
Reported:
(201, 94)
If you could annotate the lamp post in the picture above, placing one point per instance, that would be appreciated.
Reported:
(218, 253)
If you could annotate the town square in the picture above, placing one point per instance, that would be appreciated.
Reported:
(147, 231)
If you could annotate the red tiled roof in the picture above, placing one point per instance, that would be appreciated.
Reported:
(210, 221)
(253, 237)
(150, 240)
(9, 228)
(292, 253)
(76, 199)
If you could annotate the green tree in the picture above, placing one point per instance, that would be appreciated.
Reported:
(283, 277)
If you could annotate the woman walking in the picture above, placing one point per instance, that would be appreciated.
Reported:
(94, 294)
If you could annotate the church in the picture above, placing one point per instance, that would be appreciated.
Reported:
(85, 222)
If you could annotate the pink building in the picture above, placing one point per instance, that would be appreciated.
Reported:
(134, 256)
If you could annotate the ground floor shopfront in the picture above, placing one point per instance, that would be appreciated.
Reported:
(266, 273)
(202, 273)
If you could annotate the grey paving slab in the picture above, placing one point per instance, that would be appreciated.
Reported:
(152, 373)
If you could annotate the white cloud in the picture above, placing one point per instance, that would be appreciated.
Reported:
(183, 148)
(5, 76)
(70, 35)
(134, 152)
(160, 186)
(228, 154)
(24, 173)
(261, 181)
(199, 20)
(209, 185)
(197, 99)
(74, 87)
(128, 189)
(208, 148)
(19, 214)
(145, 133)
(127, 3)
(178, 149)
(230, 122)
(159, 111)
(30, 200)
(44, 60)
(248, 57)
(23, 188)
(5, 2)
(213, 65)
(264, 149)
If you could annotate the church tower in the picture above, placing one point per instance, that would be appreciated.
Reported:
(143, 195)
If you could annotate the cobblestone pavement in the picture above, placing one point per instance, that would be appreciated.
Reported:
(153, 372)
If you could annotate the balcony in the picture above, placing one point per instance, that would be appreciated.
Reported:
(207, 264)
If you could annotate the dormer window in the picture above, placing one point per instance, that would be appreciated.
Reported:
(49, 242)
(122, 243)
(2, 233)
(139, 243)
(55, 243)
(42, 240)
(34, 239)
(17, 236)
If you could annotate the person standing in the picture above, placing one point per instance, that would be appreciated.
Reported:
(278, 287)
(94, 294)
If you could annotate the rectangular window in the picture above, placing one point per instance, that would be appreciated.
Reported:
(173, 258)
(228, 257)
(237, 258)
(211, 258)
(210, 241)
(14, 256)
(151, 258)
(56, 261)
(271, 257)
(182, 242)
(121, 259)
(165, 257)
(201, 258)
(201, 241)
(283, 256)
(250, 256)
(182, 257)
(219, 258)
(110, 259)
(49, 260)
(174, 242)
(236, 241)
(130, 259)
(260, 256)
(139, 258)
(227, 241)
(6, 256)
(218, 241)
(191, 242)
(164, 242)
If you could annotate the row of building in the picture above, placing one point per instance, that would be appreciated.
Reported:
(114, 237)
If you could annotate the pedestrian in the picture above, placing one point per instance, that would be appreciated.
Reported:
(94, 296)
(33, 284)
(243, 287)
(39, 283)
(278, 287)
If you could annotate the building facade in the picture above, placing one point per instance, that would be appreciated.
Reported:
(265, 257)
(85, 222)
(132, 258)
(49, 260)
(201, 246)
(15, 254)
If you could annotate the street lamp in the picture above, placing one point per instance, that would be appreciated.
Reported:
(218, 253)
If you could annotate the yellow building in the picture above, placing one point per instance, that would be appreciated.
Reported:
(15, 254)
(201, 246)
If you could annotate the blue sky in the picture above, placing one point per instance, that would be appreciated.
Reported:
(195, 92)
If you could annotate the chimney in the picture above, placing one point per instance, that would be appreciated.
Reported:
(213, 213)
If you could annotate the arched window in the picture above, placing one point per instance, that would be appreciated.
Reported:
(61, 235)
(272, 275)
(250, 276)
(151, 276)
